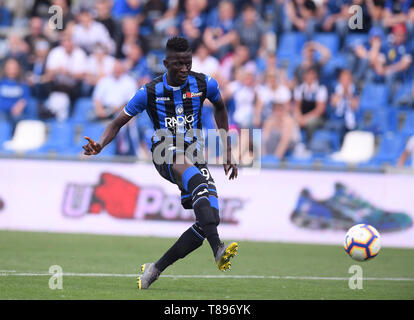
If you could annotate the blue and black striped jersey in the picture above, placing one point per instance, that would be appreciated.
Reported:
(177, 109)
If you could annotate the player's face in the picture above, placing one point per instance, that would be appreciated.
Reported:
(178, 65)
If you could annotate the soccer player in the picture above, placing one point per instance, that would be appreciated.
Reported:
(173, 102)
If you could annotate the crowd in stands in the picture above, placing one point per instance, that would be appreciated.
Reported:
(295, 68)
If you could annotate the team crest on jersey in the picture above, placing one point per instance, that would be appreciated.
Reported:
(189, 95)
(179, 109)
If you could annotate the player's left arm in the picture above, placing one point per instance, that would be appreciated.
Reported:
(222, 121)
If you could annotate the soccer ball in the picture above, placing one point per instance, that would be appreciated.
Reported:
(362, 242)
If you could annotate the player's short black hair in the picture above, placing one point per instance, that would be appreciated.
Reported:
(177, 44)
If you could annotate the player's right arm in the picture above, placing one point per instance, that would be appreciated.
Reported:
(108, 135)
(136, 105)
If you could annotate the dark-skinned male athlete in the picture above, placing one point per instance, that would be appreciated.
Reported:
(173, 102)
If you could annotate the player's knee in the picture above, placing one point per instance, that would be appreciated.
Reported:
(206, 216)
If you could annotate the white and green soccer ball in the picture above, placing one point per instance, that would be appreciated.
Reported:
(362, 242)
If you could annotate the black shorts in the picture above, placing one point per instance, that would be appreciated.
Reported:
(165, 170)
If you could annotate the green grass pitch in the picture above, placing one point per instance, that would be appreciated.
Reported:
(104, 267)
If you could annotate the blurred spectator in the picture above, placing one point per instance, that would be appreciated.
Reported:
(129, 36)
(98, 65)
(193, 19)
(399, 12)
(220, 35)
(113, 92)
(135, 63)
(103, 15)
(204, 62)
(344, 103)
(5, 15)
(395, 58)
(375, 11)
(40, 9)
(68, 21)
(234, 61)
(66, 66)
(35, 34)
(310, 100)
(19, 50)
(14, 94)
(242, 91)
(409, 150)
(272, 90)
(160, 14)
(338, 16)
(190, 31)
(281, 133)
(309, 52)
(251, 30)
(363, 56)
(87, 33)
(123, 8)
(37, 78)
(305, 16)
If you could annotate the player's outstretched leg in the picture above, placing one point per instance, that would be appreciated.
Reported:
(150, 273)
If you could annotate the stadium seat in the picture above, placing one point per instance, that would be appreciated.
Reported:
(390, 147)
(29, 135)
(353, 39)
(330, 163)
(31, 110)
(408, 126)
(329, 40)
(293, 161)
(59, 138)
(358, 146)
(374, 96)
(290, 44)
(270, 160)
(5, 131)
(82, 110)
(324, 142)
(93, 130)
(402, 94)
(379, 120)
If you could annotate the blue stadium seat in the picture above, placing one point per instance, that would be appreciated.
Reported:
(330, 163)
(82, 110)
(353, 39)
(290, 44)
(31, 110)
(329, 40)
(390, 147)
(374, 96)
(381, 120)
(373, 164)
(93, 130)
(324, 142)
(5, 132)
(293, 161)
(402, 93)
(270, 160)
(408, 126)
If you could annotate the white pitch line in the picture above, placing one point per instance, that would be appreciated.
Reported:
(177, 276)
